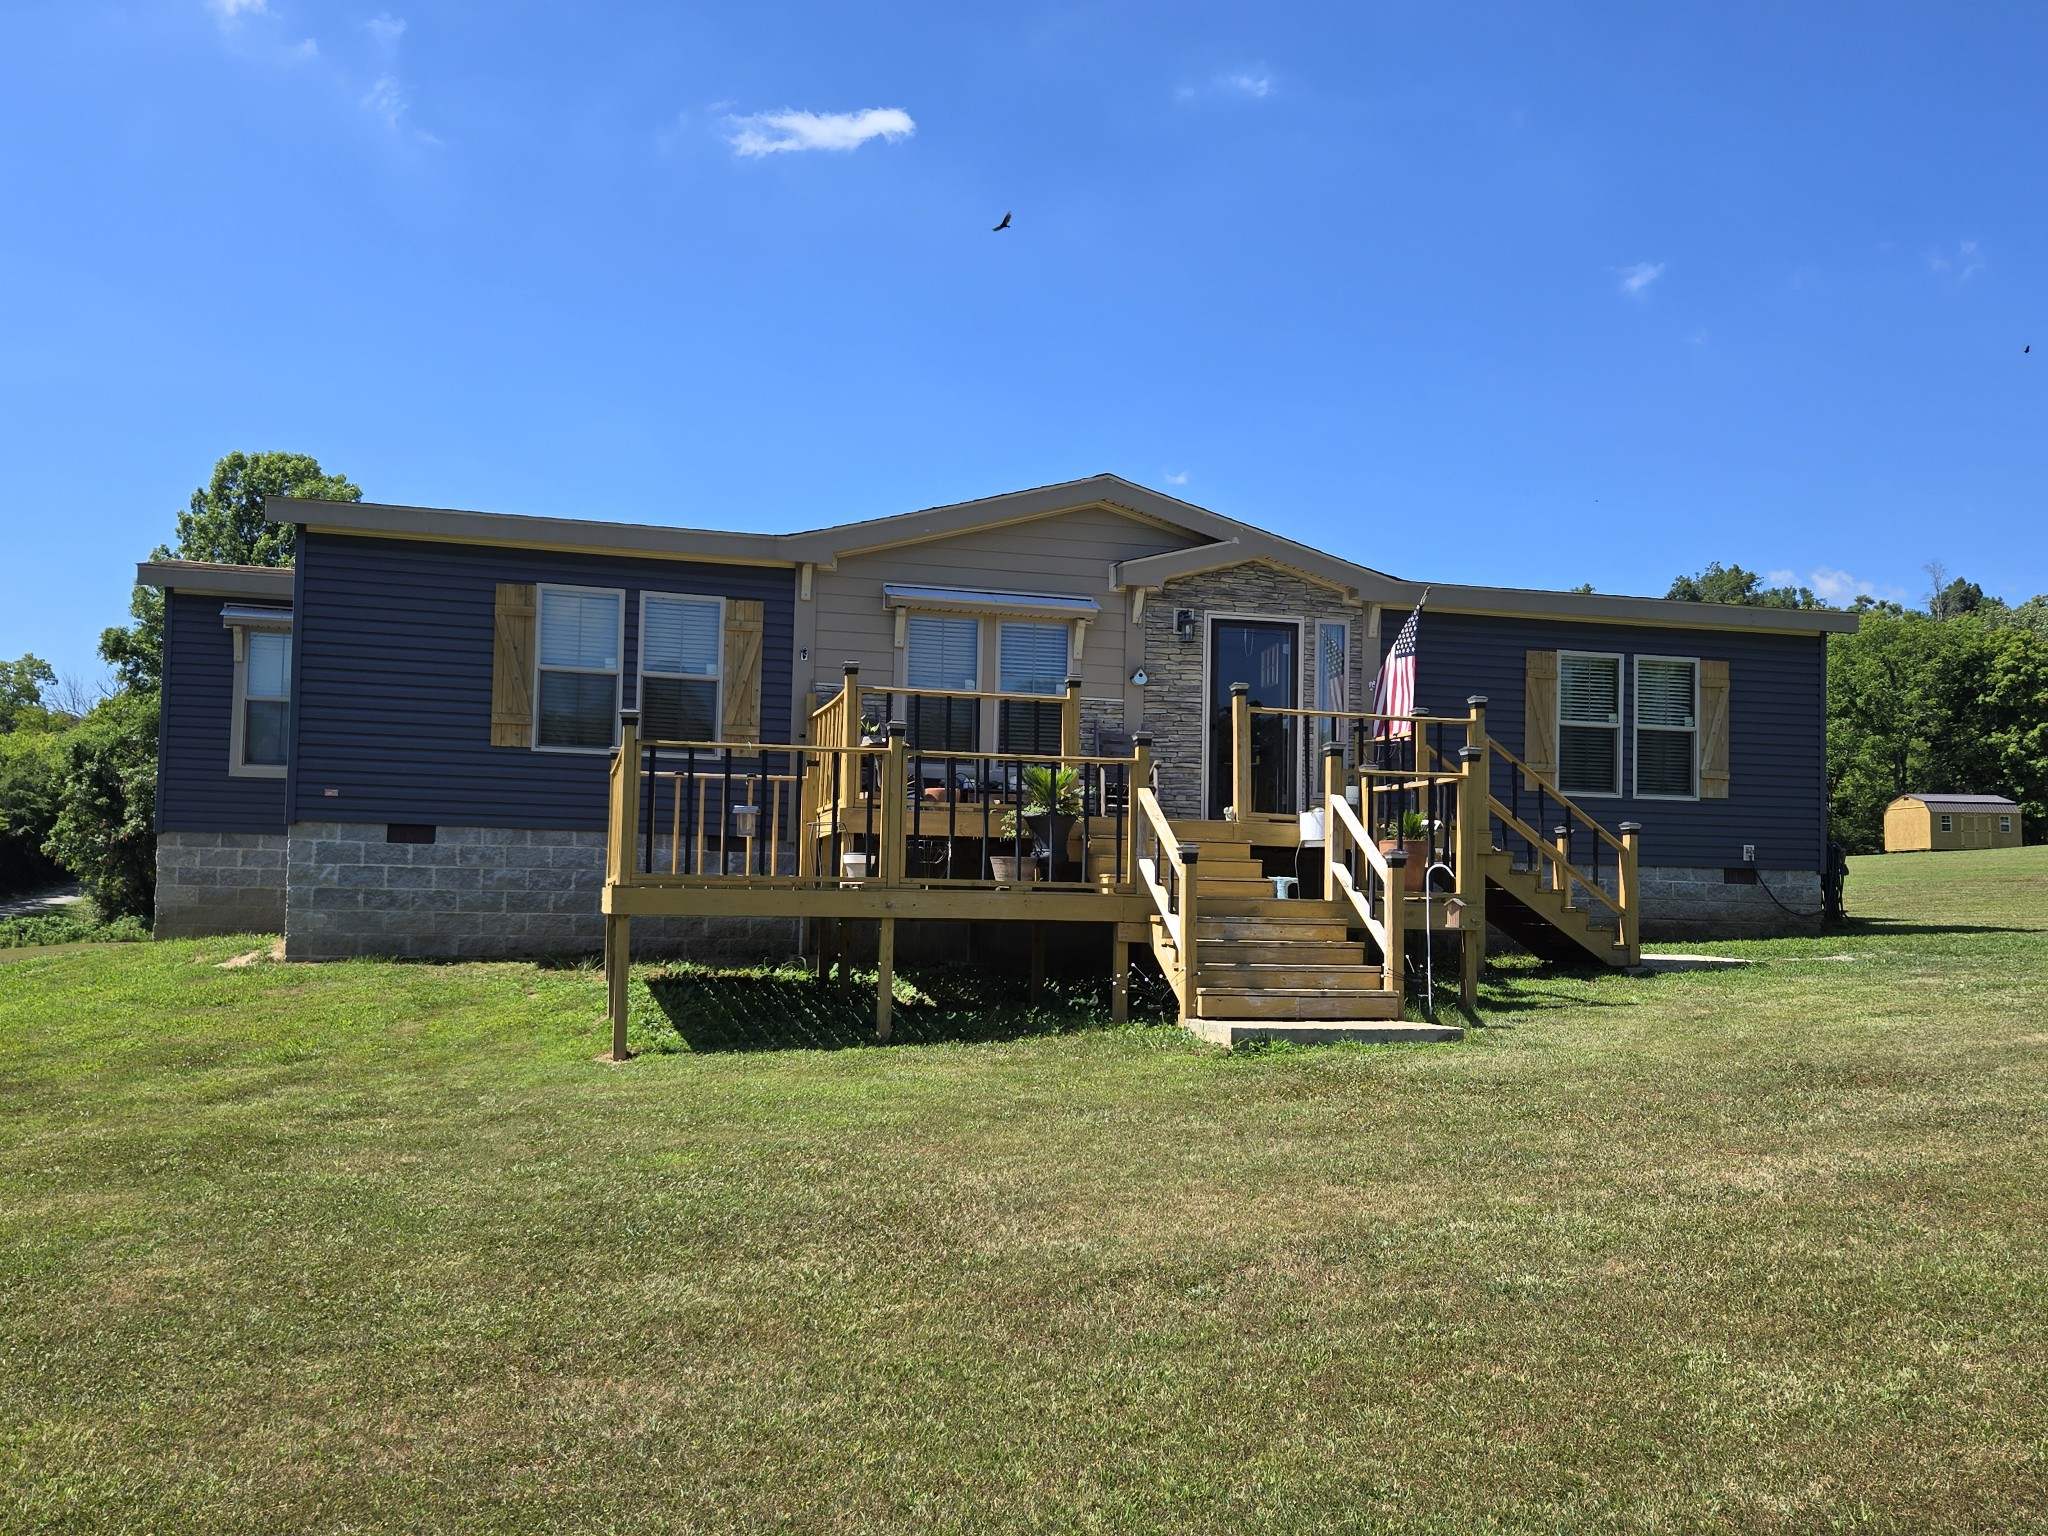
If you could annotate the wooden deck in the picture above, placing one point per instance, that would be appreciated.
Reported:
(857, 826)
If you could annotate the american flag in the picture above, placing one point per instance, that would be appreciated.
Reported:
(1394, 694)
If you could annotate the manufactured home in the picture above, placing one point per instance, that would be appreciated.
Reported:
(1920, 823)
(422, 739)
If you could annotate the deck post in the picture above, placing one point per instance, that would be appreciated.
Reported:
(895, 802)
(629, 796)
(1394, 917)
(1190, 856)
(1629, 891)
(1141, 780)
(1120, 978)
(885, 981)
(1475, 840)
(1241, 751)
(618, 954)
(849, 718)
(1333, 791)
(1070, 719)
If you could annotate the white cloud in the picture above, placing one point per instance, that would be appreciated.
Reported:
(301, 52)
(1179, 479)
(1833, 585)
(772, 133)
(1965, 263)
(1247, 83)
(1639, 277)
(386, 101)
(228, 10)
(1698, 338)
(386, 28)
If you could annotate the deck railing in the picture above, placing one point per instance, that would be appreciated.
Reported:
(1568, 850)
(1166, 869)
(813, 815)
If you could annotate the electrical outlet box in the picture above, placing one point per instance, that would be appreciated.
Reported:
(1749, 853)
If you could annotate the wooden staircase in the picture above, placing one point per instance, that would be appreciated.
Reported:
(1545, 920)
(1272, 968)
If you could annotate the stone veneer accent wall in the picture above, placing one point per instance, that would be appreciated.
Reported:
(1174, 702)
(479, 893)
(219, 882)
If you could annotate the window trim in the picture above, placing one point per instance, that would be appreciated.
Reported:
(1948, 821)
(641, 674)
(2004, 825)
(1637, 727)
(986, 653)
(617, 674)
(1621, 716)
(238, 738)
(996, 624)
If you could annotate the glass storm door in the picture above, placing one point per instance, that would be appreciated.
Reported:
(1264, 656)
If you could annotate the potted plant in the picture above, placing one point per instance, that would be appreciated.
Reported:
(1052, 801)
(1409, 833)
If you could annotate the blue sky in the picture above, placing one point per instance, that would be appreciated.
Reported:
(1494, 293)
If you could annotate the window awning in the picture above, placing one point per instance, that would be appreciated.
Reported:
(239, 616)
(1038, 605)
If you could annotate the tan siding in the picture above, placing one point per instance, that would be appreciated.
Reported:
(1068, 553)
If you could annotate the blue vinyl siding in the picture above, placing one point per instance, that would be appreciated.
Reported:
(1777, 728)
(395, 655)
(194, 790)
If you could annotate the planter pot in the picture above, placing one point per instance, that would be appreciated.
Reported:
(1051, 834)
(1008, 869)
(853, 866)
(1417, 849)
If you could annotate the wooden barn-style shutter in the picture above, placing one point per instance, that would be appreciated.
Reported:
(744, 622)
(1713, 730)
(512, 667)
(1539, 713)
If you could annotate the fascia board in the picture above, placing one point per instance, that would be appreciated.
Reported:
(200, 579)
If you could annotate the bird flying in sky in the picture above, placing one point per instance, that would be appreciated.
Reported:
(1002, 226)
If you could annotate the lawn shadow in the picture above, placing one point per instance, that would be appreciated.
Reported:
(787, 1011)
(1887, 927)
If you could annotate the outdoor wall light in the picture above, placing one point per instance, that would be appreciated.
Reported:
(1184, 625)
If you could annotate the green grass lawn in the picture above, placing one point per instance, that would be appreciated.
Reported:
(370, 1247)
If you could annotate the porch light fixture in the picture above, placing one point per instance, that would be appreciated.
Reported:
(1184, 625)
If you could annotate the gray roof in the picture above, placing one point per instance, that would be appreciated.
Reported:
(1965, 802)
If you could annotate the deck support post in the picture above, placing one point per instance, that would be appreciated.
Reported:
(1241, 751)
(618, 954)
(1475, 841)
(885, 981)
(1629, 891)
(1140, 781)
(1070, 719)
(1120, 978)
(1333, 791)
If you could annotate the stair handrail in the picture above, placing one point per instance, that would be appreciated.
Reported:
(1341, 823)
(1626, 903)
(1550, 789)
(1175, 903)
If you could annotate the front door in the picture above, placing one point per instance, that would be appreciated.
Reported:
(1263, 655)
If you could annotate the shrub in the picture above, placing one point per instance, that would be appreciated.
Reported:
(31, 782)
(105, 831)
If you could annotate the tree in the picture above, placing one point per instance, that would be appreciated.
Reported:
(22, 684)
(224, 523)
(1720, 583)
(104, 831)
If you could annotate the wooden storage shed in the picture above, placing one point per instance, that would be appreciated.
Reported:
(1918, 823)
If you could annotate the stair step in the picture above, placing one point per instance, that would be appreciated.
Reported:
(1286, 950)
(1308, 1003)
(1211, 929)
(1229, 974)
(1226, 888)
(1270, 906)
(1230, 869)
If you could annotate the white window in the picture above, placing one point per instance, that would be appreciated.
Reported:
(1588, 724)
(263, 703)
(582, 632)
(1031, 658)
(1333, 672)
(944, 653)
(2005, 823)
(680, 643)
(1948, 823)
(1667, 727)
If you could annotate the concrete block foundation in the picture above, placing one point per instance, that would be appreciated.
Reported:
(219, 882)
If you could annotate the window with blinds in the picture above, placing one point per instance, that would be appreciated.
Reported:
(1031, 658)
(581, 633)
(942, 652)
(1588, 724)
(1667, 727)
(266, 699)
(679, 666)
